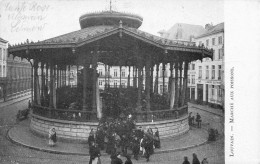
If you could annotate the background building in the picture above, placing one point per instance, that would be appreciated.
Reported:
(182, 32)
(208, 86)
(205, 78)
(3, 79)
(15, 74)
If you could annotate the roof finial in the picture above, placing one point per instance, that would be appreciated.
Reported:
(110, 5)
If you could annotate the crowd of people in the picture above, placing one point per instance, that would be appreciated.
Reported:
(192, 119)
(120, 137)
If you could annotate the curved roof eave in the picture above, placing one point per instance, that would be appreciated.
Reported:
(158, 43)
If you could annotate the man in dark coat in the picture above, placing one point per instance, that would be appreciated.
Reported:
(115, 159)
(136, 147)
(100, 136)
(148, 146)
(111, 146)
(91, 138)
(198, 119)
(128, 159)
(157, 142)
(186, 161)
(195, 159)
(94, 152)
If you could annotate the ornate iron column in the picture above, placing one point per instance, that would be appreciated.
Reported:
(43, 83)
(185, 83)
(57, 77)
(139, 92)
(180, 81)
(120, 76)
(163, 71)
(171, 77)
(108, 77)
(54, 87)
(151, 80)
(105, 76)
(35, 66)
(94, 88)
(46, 80)
(51, 84)
(147, 81)
(156, 79)
(85, 85)
(128, 79)
(176, 67)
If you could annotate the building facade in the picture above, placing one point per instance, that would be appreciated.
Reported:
(207, 76)
(15, 74)
(3, 63)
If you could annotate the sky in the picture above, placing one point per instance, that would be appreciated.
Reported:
(38, 20)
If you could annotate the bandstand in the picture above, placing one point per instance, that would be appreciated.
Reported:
(111, 38)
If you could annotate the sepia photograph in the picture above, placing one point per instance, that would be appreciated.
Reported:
(115, 82)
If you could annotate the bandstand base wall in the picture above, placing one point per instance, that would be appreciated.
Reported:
(79, 131)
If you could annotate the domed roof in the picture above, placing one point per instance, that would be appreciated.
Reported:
(110, 18)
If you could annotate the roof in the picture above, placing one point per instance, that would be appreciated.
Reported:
(2, 40)
(183, 31)
(213, 30)
(79, 35)
(87, 35)
(110, 18)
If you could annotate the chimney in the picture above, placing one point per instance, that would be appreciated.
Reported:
(208, 26)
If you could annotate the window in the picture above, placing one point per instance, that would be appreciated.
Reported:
(213, 41)
(100, 72)
(219, 72)
(123, 84)
(212, 90)
(71, 74)
(213, 72)
(115, 84)
(165, 73)
(123, 73)
(193, 66)
(207, 72)
(100, 82)
(188, 79)
(161, 88)
(200, 72)
(161, 72)
(193, 79)
(165, 88)
(220, 40)
(4, 54)
(207, 42)
(219, 92)
(220, 52)
(115, 72)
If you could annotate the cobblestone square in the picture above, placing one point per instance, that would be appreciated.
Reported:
(13, 153)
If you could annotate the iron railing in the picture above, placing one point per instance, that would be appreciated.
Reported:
(64, 114)
(88, 116)
(161, 115)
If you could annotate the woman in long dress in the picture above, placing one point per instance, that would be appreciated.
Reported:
(52, 137)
